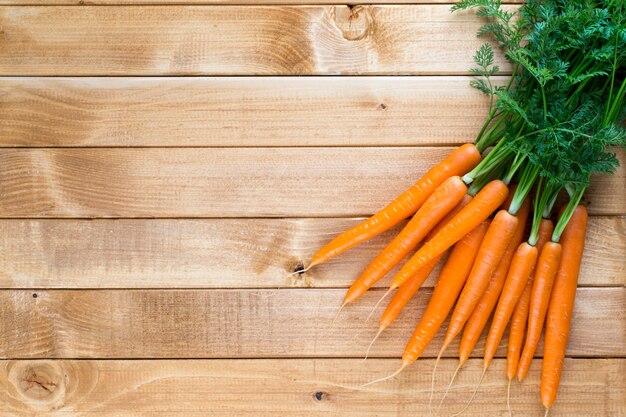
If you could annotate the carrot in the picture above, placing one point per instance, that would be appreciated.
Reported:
(451, 280)
(547, 268)
(445, 198)
(520, 315)
(480, 315)
(408, 289)
(477, 211)
(562, 305)
(458, 162)
(490, 253)
(521, 268)
(519, 272)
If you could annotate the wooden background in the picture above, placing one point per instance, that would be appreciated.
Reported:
(162, 171)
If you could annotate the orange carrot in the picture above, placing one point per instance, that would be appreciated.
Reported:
(562, 305)
(490, 253)
(480, 315)
(478, 210)
(458, 162)
(521, 268)
(444, 199)
(451, 280)
(408, 289)
(520, 315)
(547, 268)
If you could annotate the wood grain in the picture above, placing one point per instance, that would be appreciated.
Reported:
(226, 182)
(222, 253)
(239, 111)
(237, 40)
(287, 323)
(311, 387)
(208, 2)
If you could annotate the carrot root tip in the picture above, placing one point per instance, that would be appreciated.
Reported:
(508, 398)
(367, 352)
(367, 320)
(473, 395)
(299, 270)
(445, 394)
(332, 324)
(384, 378)
(432, 379)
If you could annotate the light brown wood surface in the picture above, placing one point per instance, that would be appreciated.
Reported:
(236, 40)
(227, 182)
(240, 111)
(210, 2)
(155, 193)
(259, 323)
(223, 253)
(306, 387)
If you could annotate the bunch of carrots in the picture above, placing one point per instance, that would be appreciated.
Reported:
(547, 131)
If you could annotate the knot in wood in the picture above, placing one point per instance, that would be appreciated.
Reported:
(354, 22)
(39, 384)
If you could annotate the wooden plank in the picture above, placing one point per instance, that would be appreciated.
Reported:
(207, 2)
(239, 111)
(237, 40)
(226, 182)
(311, 387)
(222, 253)
(286, 323)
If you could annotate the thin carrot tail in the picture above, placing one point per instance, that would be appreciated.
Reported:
(508, 398)
(445, 394)
(547, 412)
(432, 379)
(378, 303)
(332, 324)
(299, 272)
(384, 378)
(367, 352)
(473, 395)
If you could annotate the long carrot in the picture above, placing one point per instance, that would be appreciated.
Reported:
(562, 305)
(459, 162)
(521, 268)
(444, 199)
(408, 289)
(478, 210)
(520, 315)
(490, 253)
(547, 268)
(451, 280)
(480, 315)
